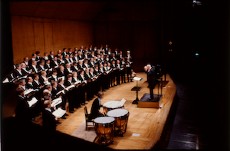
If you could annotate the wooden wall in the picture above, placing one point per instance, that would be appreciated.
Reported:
(142, 38)
(31, 34)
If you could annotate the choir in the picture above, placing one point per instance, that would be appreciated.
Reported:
(73, 76)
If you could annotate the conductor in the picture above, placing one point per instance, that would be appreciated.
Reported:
(151, 78)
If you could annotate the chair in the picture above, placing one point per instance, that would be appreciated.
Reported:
(88, 122)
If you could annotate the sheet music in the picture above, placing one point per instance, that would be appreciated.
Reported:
(32, 101)
(63, 77)
(47, 83)
(69, 87)
(122, 102)
(56, 102)
(108, 71)
(77, 82)
(137, 79)
(6, 80)
(28, 91)
(59, 112)
(61, 92)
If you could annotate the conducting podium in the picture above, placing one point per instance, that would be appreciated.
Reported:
(136, 89)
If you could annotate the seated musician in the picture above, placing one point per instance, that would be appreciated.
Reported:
(95, 108)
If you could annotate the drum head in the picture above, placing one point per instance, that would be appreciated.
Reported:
(104, 120)
(117, 113)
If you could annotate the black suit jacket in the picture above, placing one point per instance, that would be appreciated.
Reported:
(22, 111)
(53, 64)
(151, 77)
(48, 120)
(16, 73)
(95, 109)
(29, 86)
(36, 85)
(54, 93)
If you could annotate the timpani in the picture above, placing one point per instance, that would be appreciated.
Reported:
(104, 127)
(111, 105)
(121, 120)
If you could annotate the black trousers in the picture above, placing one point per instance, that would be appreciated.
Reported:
(151, 92)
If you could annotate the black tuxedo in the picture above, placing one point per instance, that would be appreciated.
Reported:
(54, 64)
(52, 78)
(54, 92)
(50, 57)
(47, 66)
(66, 71)
(64, 96)
(22, 111)
(42, 80)
(95, 109)
(87, 76)
(25, 71)
(36, 85)
(152, 80)
(17, 73)
(81, 78)
(74, 68)
(80, 67)
(61, 73)
(68, 83)
(80, 57)
(40, 68)
(60, 87)
(34, 69)
(48, 121)
(91, 64)
(66, 60)
(29, 86)
(75, 59)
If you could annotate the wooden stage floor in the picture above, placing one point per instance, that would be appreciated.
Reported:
(145, 125)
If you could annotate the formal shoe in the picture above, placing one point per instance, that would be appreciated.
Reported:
(135, 102)
(63, 117)
(57, 122)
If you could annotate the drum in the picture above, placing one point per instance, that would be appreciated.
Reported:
(104, 127)
(111, 105)
(121, 120)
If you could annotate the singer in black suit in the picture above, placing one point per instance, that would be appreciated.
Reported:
(49, 121)
(22, 110)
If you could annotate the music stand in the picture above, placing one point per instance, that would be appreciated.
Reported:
(136, 88)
